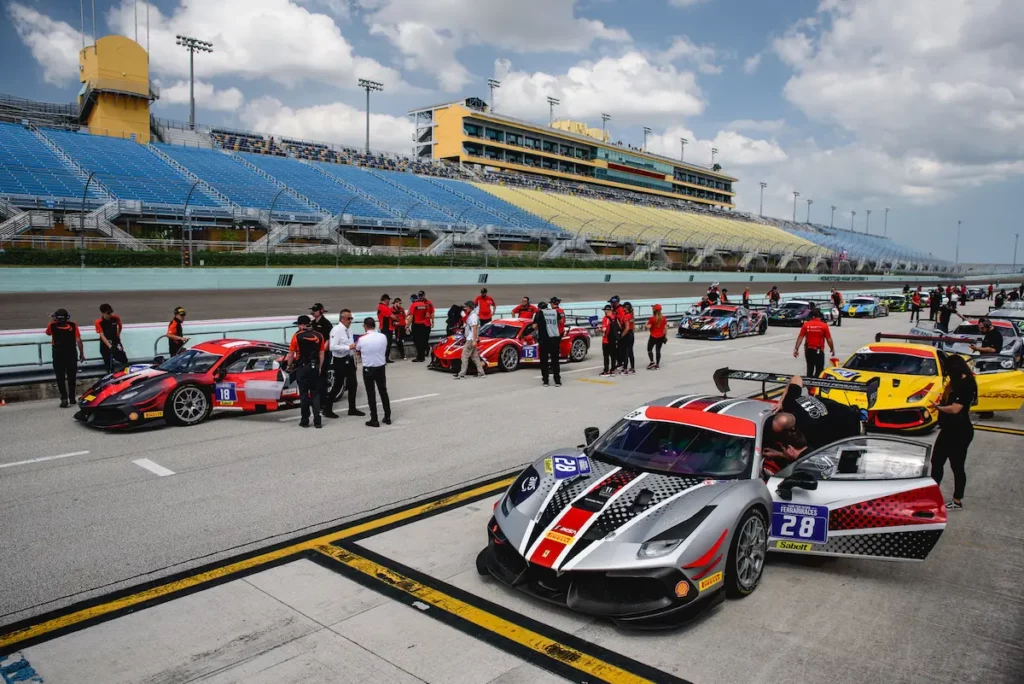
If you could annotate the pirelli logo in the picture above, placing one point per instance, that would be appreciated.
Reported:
(710, 581)
(793, 546)
(558, 537)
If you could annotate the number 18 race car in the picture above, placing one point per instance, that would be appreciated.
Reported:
(224, 375)
(507, 343)
(669, 511)
(723, 322)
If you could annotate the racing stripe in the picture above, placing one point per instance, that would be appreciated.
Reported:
(682, 400)
(562, 494)
(721, 406)
(698, 402)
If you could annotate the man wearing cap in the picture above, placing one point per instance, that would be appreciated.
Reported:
(471, 345)
(385, 323)
(419, 328)
(306, 356)
(323, 326)
(108, 326)
(555, 302)
(549, 341)
(372, 346)
(342, 347)
(485, 306)
(64, 339)
(175, 336)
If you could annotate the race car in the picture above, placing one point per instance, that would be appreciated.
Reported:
(505, 344)
(669, 512)
(223, 375)
(723, 322)
(864, 307)
(795, 311)
(959, 341)
(899, 302)
(977, 293)
(911, 379)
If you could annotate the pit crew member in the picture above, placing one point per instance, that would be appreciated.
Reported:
(323, 326)
(549, 340)
(306, 356)
(176, 339)
(815, 331)
(656, 326)
(64, 339)
(486, 306)
(108, 325)
(992, 341)
(524, 309)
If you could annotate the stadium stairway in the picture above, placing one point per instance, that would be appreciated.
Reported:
(31, 167)
(281, 186)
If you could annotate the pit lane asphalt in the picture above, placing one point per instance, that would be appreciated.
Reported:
(86, 524)
(27, 310)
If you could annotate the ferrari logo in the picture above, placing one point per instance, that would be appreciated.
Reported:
(545, 554)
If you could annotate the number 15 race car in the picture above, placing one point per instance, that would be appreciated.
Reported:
(669, 511)
(507, 343)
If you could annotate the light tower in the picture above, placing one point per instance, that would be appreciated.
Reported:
(647, 131)
(604, 121)
(832, 221)
(682, 148)
(193, 45)
(852, 214)
(761, 210)
(795, 195)
(551, 109)
(867, 223)
(492, 84)
(809, 203)
(369, 85)
(885, 223)
(714, 151)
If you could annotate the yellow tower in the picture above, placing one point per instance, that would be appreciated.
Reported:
(115, 95)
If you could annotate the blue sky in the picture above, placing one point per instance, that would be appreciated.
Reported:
(864, 104)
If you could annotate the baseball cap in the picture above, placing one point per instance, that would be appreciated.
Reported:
(302, 320)
(607, 307)
(483, 290)
(470, 304)
(61, 314)
(179, 311)
(317, 307)
(614, 299)
(656, 307)
(421, 293)
(555, 300)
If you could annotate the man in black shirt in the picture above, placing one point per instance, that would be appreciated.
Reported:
(803, 422)
(306, 356)
(323, 326)
(992, 342)
(108, 325)
(946, 313)
(65, 339)
(549, 342)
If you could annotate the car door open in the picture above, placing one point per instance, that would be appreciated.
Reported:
(868, 497)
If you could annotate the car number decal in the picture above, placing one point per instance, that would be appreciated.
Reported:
(529, 351)
(565, 467)
(801, 522)
(225, 392)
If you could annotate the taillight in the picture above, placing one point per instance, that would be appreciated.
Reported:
(920, 394)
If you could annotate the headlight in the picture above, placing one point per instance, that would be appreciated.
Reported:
(654, 549)
(129, 395)
(920, 394)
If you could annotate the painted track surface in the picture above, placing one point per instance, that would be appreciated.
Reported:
(27, 310)
(88, 524)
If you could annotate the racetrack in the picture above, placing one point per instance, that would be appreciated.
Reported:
(27, 310)
(93, 521)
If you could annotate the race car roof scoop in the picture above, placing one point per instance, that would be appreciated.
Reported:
(723, 375)
(641, 501)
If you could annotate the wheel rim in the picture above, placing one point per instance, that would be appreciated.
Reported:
(508, 358)
(732, 330)
(189, 404)
(579, 350)
(750, 552)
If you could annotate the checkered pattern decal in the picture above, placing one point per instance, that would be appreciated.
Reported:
(621, 512)
(568, 490)
(890, 511)
(905, 545)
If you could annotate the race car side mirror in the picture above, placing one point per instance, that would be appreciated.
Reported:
(799, 480)
(157, 360)
(591, 434)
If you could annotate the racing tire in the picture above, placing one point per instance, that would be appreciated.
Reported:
(187, 405)
(481, 563)
(733, 330)
(763, 328)
(747, 552)
(578, 350)
(508, 358)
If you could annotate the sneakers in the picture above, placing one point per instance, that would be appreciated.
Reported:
(318, 425)
(605, 374)
(656, 366)
(632, 371)
(546, 383)
(356, 412)
(304, 424)
(330, 414)
(457, 376)
(954, 505)
(558, 383)
(651, 366)
(372, 423)
(64, 402)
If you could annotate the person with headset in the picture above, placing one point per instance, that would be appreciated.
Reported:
(306, 356)
(65, 338)
(176, 339)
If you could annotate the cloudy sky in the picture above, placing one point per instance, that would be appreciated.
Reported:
(916, 105)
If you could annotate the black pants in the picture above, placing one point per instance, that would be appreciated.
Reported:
(915, 312)
(932, 311)
(549, 353)
(944, 327)
(815, 361)
(65, 367)
(345, 376)
(114, 357)
(375, 380)
(400, 340)
(323, 389)
(174, 348)
(308, 377)
(421, 338)
(485, 321)
(610, 356)
(626, 358)
(951, 445)
(390, 334)
(654, 349)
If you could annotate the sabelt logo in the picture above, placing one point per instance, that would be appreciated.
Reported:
(710, 581)
(793, 546)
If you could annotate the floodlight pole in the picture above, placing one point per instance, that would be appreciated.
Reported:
(682, 149)
(760, 211)
(1016, 236)
(795, 195)
(809, 203)
(492, 84)
(958, 241)
(885, 223)
(832, 221)
(604, 121)
(551, 109)
(193, 45)
(867, 223)
(369, 85)
(647, 132)
(714, 151)
(852, 214)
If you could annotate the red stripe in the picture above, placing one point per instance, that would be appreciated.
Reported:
(729, 425)
(882, 348)
(711, 566)
(706, 558)
(893, 510)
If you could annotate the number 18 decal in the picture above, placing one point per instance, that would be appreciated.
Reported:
(225, 392)
(801, 522)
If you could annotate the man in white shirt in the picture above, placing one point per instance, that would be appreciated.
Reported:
(342, 345)
(471, 348)
(372, 347)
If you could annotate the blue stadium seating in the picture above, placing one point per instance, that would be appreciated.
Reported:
(332, 196)
(469, 212)
(856, 245)
(28, 167)
(498, 205)
(237, 182)
(398, 200)
(128, 170)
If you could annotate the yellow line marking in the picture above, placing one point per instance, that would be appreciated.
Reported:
(1003, 430)
(596, 382)
(63, 621)
(539, 643)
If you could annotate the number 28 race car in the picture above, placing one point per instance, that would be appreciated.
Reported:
(507, 343)
(669, 511)
(723, 322)
(224, 375)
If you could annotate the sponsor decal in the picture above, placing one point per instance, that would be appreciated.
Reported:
(547, 552)
(529, 484)
(583, 464)
(801, 522)
(845, 374)
(713, 482)
(793, 546)
(89, 397)
(153, 414)
(710, 581)
(135, 368)
(529, 351)
(566, 530)
(682, 589)
(237, 343)
(548, 467)
(559, 538)
(133, 416)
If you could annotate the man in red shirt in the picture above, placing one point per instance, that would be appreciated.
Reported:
(108, 325)
(610, 330)
(485, 307)
(816, 332)
(420, 327)
(385, 323)
(65, 339)
(525, 309)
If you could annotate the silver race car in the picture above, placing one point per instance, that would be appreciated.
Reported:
(671, 510)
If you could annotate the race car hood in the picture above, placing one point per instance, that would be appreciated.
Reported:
(703, 322)
(596, 520)
(789, 313)
(859, 307)
(136, 377)
(893, 390)
(451, 347)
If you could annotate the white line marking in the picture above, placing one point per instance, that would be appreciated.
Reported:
(574, 370)
(362, 406)
(44, 458)
(154, 468)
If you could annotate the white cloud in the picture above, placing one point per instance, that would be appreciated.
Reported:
(764, 126)
(207, 97)
(427, 50)
(686, 3)
(750, 64)
(630, 88)
(734, 149)
(54, 44)
(685, 50)
(330, 123)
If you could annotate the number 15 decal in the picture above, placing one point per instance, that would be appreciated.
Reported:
(801, 522)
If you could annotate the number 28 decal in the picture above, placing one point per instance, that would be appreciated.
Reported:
(801, 522)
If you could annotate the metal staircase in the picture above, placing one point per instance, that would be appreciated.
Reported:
(100, 221)
(450, 240)
(510, 221)
(288, 189)
(353, 189)
(203, 185)
(327, 229)
(19, 221)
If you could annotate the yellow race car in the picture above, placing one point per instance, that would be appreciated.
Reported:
(910, 379)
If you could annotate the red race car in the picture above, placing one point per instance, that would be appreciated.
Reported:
(505, 344)
(223, 375)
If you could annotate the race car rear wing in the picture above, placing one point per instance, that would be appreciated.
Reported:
(723, 375)
(949, 339)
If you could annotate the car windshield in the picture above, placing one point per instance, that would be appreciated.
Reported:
(796, 306)
(665, 447)
(860, 301)
(898, 364)
(500, 331)
(718, 313)
(192, 361)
